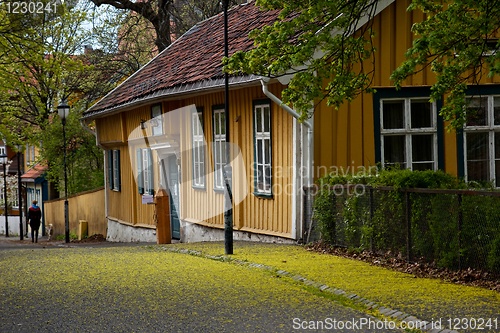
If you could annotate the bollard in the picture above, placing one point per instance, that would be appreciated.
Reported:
(162, 211)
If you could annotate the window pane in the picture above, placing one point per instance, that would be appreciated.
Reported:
(267, 119)
(393, 114)
(394, 149)
(477, 170)
(477, 146)
(267, 151)
(258, 120)
(497, 145)
(496, 109)
(497, 173)
(259, 152)
(421, 114)
(477, 111)
(422, 148)
(422, 166)
(222, 123)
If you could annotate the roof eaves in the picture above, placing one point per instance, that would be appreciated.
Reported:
(175, 91)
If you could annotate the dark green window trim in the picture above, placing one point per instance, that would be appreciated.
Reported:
(202, 163)
(407, 92)
(472, 91)
(114, 176)
(218, 147)
(262, 165)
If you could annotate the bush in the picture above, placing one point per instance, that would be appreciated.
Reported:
(376, 220)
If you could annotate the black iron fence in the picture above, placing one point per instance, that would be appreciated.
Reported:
(454, 228)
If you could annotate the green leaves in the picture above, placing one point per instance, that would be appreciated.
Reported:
(455, 41)
(325, 43)
(314, 39)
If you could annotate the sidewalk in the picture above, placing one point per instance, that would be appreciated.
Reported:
(386, 292)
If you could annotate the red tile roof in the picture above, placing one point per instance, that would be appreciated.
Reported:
(192, 62)
(36, 171)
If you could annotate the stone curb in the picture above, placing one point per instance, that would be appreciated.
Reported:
(425, 326)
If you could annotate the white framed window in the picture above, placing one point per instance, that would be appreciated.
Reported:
(262, 146)
(30, 155)
(198, 149)
(219, 146)
(408, 133)
(144, 164)
(482, 139)
(114, 179)
(2, 150)
(156, 120)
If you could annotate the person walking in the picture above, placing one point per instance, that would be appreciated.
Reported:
(34, 216)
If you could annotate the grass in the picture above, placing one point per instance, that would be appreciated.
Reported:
(425, 298)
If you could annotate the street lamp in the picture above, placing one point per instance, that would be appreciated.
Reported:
(63, 111)
(19, 190)
(227, 172)
(3, 160)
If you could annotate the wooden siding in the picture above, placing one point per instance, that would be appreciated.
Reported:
(253, 213)
(111, 129)
(204, 206)
(88, 206)
(344, 138)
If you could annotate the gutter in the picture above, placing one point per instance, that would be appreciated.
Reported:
(309, 148)
(308, 124)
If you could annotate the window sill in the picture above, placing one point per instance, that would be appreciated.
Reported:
(263, 195)
(198, 188)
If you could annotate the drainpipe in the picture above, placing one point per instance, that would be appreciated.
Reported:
(307, 123)
(94, 133)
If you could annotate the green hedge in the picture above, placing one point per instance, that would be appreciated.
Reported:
(377, 221)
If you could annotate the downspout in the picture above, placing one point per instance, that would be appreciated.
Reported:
(105, 166)
(307, 123)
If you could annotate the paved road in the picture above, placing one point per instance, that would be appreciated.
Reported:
(97, 288)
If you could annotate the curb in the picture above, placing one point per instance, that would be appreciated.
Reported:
(412, 321)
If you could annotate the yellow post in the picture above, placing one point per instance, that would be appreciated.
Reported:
(163, 232)
(83, 229)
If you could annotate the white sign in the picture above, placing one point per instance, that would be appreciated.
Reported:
(147, 199)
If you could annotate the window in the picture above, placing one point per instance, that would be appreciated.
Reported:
(144, 163)
(219, 146)
(262, 146)
(30, 155)
(156, 120)
(114, 180)
(198, 149)
(408, 134)
(482, 139)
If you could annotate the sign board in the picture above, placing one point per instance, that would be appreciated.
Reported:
(147, 199)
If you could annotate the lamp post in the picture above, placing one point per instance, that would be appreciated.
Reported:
(19, 191)
(3, 160)
(63, 111)
(227, 172)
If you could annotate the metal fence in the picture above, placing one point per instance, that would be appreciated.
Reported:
(454, 228)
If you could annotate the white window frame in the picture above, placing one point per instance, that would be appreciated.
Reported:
(219, 147)
(198, 138)
(408, 132)
(145, 170)
(489, 128)
(156, 120)
(262, 185)
(116, 170)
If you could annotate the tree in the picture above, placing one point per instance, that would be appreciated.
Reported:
(40, 64)
(169, 17)
(459, 41)
(316, 41)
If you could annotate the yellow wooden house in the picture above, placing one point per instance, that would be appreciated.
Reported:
(165, 127)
